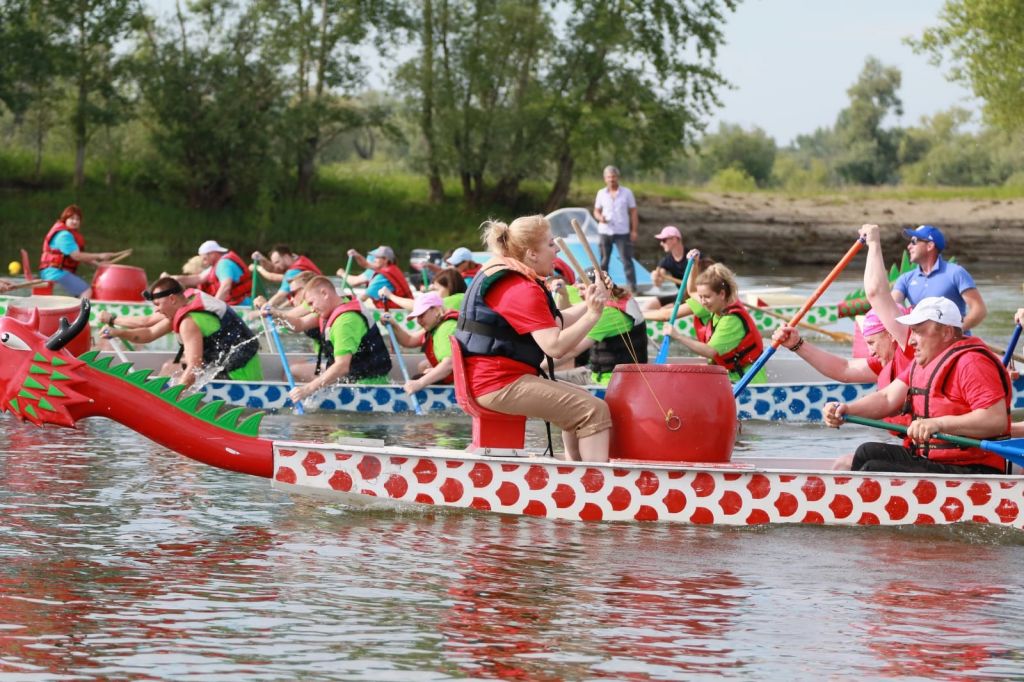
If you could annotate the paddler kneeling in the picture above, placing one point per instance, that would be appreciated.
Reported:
(956, 386)
(438, 325)
(351, 344)
(509, 324)
(210, 332)
(726, 334)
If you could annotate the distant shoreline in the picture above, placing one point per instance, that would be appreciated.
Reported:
(779, 230)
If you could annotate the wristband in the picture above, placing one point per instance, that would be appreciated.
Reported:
(796, 346)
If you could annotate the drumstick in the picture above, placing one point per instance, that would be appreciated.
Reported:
(29, 283)
(121, 255)
(572, 261)
(590, 252)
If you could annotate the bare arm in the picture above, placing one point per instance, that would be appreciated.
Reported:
(876, 286)
(879, 404)
(434, 375)
(976, 309)
(143, 334)
(405, 338)
(848, 371)
(555, 341)
(634, 223)
(332, 374)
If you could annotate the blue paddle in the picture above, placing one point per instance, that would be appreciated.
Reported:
(1013, 346)
(1011, 449)
(662, 357)
(401, 362)
(284, 358)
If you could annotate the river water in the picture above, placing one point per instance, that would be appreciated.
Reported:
(122, 560)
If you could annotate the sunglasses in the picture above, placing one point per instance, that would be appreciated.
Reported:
(917, 240)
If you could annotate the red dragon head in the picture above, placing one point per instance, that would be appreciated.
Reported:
(38, 378)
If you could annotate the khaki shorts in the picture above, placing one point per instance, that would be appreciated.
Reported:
(569, 407)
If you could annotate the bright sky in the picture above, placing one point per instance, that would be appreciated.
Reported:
(793, 60)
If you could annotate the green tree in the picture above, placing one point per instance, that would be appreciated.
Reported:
(213, 101)
(869, 153)
(318, 42)
(89, 33)
(983, 43)
(733, 147)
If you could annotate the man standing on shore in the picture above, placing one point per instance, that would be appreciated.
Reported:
(936, 277)
(618, 223)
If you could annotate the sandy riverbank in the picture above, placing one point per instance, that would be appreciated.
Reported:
(791, 231)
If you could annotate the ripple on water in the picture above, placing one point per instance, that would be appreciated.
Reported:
(121, 560)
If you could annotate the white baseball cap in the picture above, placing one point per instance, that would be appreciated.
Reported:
(210, 246)
(935, 309)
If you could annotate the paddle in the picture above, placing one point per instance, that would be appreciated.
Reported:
(401, 365)
(26, 265)
(835, 336)
(1011, 449)
(573, 262)
(28, 283)
(255, 279)
(281, 354)
(590, 252)
(1012, 346)
(662, 357)
(344, 283)
(808, 304)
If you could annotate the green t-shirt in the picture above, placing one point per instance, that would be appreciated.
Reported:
(453, 302)
(612, 323)
(209, 324)
(727, 335)
(345, 335)
(443, 339)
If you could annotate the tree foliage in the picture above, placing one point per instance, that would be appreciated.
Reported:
(983, 43)
(868, 151)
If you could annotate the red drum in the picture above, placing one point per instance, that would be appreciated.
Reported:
(51, 309)
(113, 282)
(672, 413)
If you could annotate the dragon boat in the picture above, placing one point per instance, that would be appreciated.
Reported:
(43, 383)
(796, 392)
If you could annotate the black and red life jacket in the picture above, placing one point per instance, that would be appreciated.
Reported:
(399, 286)
(231, 346)
(371, 358)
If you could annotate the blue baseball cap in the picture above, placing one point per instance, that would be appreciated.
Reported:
(928, 233)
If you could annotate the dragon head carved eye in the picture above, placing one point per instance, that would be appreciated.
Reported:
(12, 341)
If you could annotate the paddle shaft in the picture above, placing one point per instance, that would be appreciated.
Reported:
(121, 255)
(808, 304)
(662, 356)
(836, 336)
(572, 261)
(1012, 346)
(590, 252)
(348, 269)
(27, 283)
(1012, 449)
(401, 365)
(26, 265)
(284, 358)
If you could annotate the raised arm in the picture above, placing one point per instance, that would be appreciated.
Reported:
(876, 286)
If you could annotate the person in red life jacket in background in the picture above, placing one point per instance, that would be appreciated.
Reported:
(210, 332)
(386, 275)
(726, 334)
(226, 276)
(351, 344)
(509, 325)
(462, 260)
(955, 385)
(438, 324)
(448, 284)
(285, 265)
(64, 249)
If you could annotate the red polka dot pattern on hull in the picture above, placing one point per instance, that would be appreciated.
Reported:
(637, 491)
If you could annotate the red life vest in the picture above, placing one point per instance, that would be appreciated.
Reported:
(927, 398)
(399, 285)
(746, 352)
(239, 291)
(305, 265)
(371, 358)
(888, 373)
(428, 343)
(471, 272)
(51, 257)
